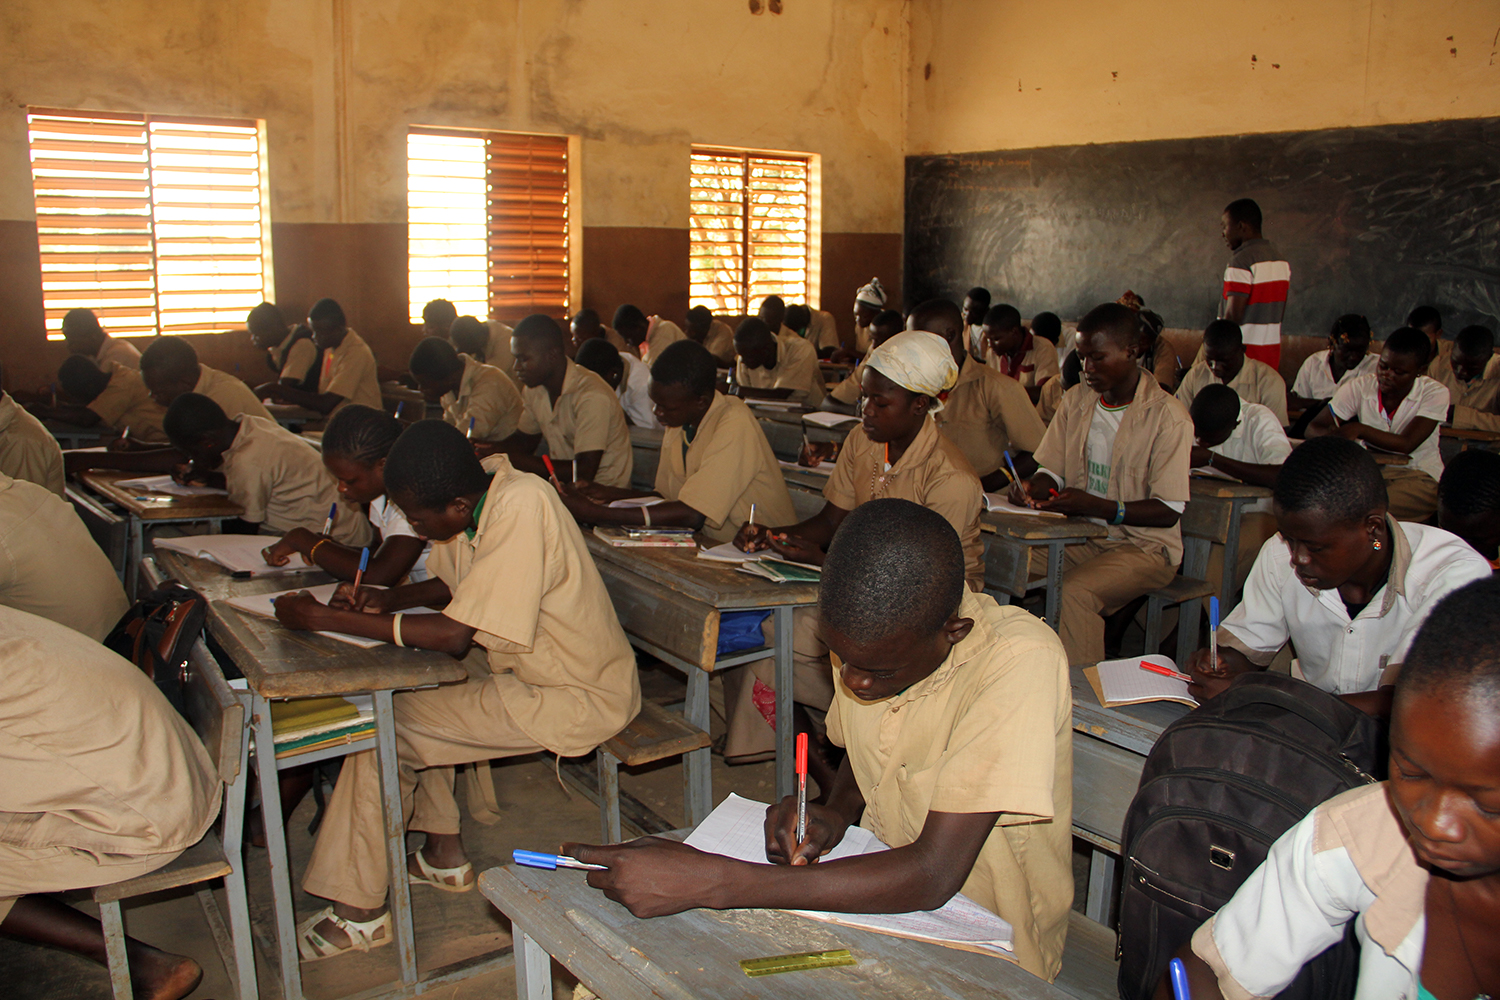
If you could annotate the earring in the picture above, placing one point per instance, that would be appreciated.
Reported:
(1377, 545)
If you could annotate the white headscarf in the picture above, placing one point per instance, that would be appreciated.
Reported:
(872, 294)
(918, 362)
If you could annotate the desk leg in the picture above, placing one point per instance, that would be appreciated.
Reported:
(1231, 557)
(135, 548)
(281, 872)
(1100, 905)
(697, 766)
(1054, 582)
(395, 835)
(785, 729)
(533, 967)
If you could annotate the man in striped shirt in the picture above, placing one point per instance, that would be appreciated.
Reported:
(1255, 282)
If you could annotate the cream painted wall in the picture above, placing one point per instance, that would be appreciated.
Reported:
(1017, 74)
(338, 81)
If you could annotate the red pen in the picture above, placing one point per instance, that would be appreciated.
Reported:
(551, 472)
(801, 787)
(1164, 671)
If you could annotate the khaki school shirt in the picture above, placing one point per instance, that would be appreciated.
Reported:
(280, 480)
(796, 368)
(234, 397)
(1477, 394)
(96, 761)
(1150, 457)
(497, 351)
(51, 566)
(487, 396)
(991, 730)
(1441, 367)
(661, 335)
(822, 330)
(933, 473)
(1047, 400)
(349, 370)
(1038, 362)
(559, 662)
(851, 388)
(586, 417)
(27, 449)
(121, 352)
(1257, 382)
(126, 404)
(297, 357)
(987, 413)
(727, 467)
(719, 341)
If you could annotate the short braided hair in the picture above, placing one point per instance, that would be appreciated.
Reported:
(361, 434)
(433, 464)
(1330, 474)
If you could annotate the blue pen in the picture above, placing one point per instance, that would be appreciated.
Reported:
(1016, 476)
(333, 509)
(364, 563)
(1178, 972)
(470, 435)
(536, 859)
(1213, 632)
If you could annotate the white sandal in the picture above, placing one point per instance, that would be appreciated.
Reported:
(314, 947)
(460, 879)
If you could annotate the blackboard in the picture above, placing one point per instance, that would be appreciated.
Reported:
(1373, 220)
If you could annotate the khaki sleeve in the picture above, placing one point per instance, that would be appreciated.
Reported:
(1191, 383)
(113, 403)
(847, 391)
(1001, 753)
(1273, 394)
(1468, 418)
(840, 488)
(722, 478)
(299, 360)
(347, 376)
(834, 720)
(496, 409)
(1051, 453)
(594, 414)
(1046, 361)
(501, 596)
(1022, 425)
(249, 485)
(959, 498)
(528, 424)
(1171, 453)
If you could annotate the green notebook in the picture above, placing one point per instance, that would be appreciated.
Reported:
(780, 571)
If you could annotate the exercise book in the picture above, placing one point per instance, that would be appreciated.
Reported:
(265, 606)
(996, 503)
(236, 553)
(1126, 682)
(166, 484)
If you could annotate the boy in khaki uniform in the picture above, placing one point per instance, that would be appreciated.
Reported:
(648, 336)
(27, 449)
(115, 397)
(515, 577)
(276, 476)
(574, 409)
(170, 368)
(846, 394)
(1012, 350)
(84, 336)
(349, 375)
(479, 400)
(1224, 361)
(712, 333)
(772, 367)
(104, 782)
(50, 565)
(716, 463)
(957, 716)
(1118, 451)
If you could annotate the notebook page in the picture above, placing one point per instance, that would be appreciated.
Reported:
(997, 503)
(825, 419)
(236, 553)
(728, 552)
(1124, 681)
(166, 484)
(265, 606)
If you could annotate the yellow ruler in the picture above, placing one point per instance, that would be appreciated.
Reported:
(800, 962)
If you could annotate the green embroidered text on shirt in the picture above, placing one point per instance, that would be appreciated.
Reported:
(1098, 478)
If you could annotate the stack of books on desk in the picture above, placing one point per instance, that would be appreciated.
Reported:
(661, 538)
(782, 571)
(307, 724)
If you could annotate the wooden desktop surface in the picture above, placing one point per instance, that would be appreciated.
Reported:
(717, 584)
(150, 506)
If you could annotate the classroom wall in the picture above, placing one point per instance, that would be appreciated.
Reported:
(338, 82)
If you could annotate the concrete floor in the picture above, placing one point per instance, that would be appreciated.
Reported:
(540, 812)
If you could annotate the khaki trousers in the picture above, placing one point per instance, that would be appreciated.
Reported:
(1099, 578)
(25, 870)
(750, 732)
(1412, 493)
(435, 730)
(1255, 530)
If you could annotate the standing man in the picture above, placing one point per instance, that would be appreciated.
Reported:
(1255, 282)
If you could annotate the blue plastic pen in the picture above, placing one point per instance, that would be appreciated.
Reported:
(1213, 631)
(1014, 475)
(537, 859)
(364, 564)
(333, 509)
(470, 435)
(1178, 973)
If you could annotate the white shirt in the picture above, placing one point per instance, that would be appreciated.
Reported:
(633, 392)
(1315, 379)
(1256, 440)
(1103, 430)
(1359, 399)
(390, 522)
(1336, 654)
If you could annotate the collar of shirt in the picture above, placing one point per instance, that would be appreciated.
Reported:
(980, 638)
(919, 450)
(1395, 583)
(469, 533)
(1376, 842)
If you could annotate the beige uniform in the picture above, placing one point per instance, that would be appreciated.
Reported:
(986, 414)
(27, 449)
(933, 473)
(1038, 362)
(1476, 394)
(851, 388)
(126, 404)
(497, 351)
(1149, 460)
(104, 781)
(726, 467)
(51, 566)
(234, 397)
(661, 334)
(1257, 382)
(991, 730)
(561, 677)
(1047, 400)
(298, 355)
(280, 480)
(796, 368)
(719, 341)
(586, 417)
(121, 352)
(822, 331)
(1441, 367)
(350, 371)
(488, 397)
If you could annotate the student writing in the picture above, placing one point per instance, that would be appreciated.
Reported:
(1346, 358)
(772, 367)
(1014, 351)
(712, 333)
(84, 336)
(626, 374)
(1224, 361)
(476, 398)
(115, 398)
(349, 373)
(291, 352)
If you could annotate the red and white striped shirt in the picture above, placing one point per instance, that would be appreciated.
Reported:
(1257, 270)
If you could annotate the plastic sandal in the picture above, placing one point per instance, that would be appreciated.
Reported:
(460, 879)
(314, 947)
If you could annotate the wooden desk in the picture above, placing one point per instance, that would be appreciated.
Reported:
(279, 663)
(1470, 437)
(696, 954)
(669, 602)
(142, 508)
(73, 436)
(1009, 539)
(1238, 496)
(1109, 749)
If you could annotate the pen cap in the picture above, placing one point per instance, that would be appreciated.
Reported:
(801, 753)
(534, 859)
(364, 558)
(1213, 612)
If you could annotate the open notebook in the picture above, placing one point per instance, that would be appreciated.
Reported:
(736, 830)
(265, 606)
(166, 484)
(999, 504)
(1126, 682)
(236, 553)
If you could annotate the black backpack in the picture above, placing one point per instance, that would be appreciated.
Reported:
(1220, 785)
(156, 634)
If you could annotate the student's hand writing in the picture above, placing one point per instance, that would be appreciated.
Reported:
(1199, 456)
(825, 828)
(269, 390)
(300, 611)
(182, 473)
(581, 507)
(652, 877)
(1211, 678)
(752, 538)
(1079, 503)
(816, 452)
(795, 548)
(370, 600)
(279, 553)
(1027, 492)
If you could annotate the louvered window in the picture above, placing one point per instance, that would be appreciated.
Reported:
(487, 222)
(751, 219)
(156, 223)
